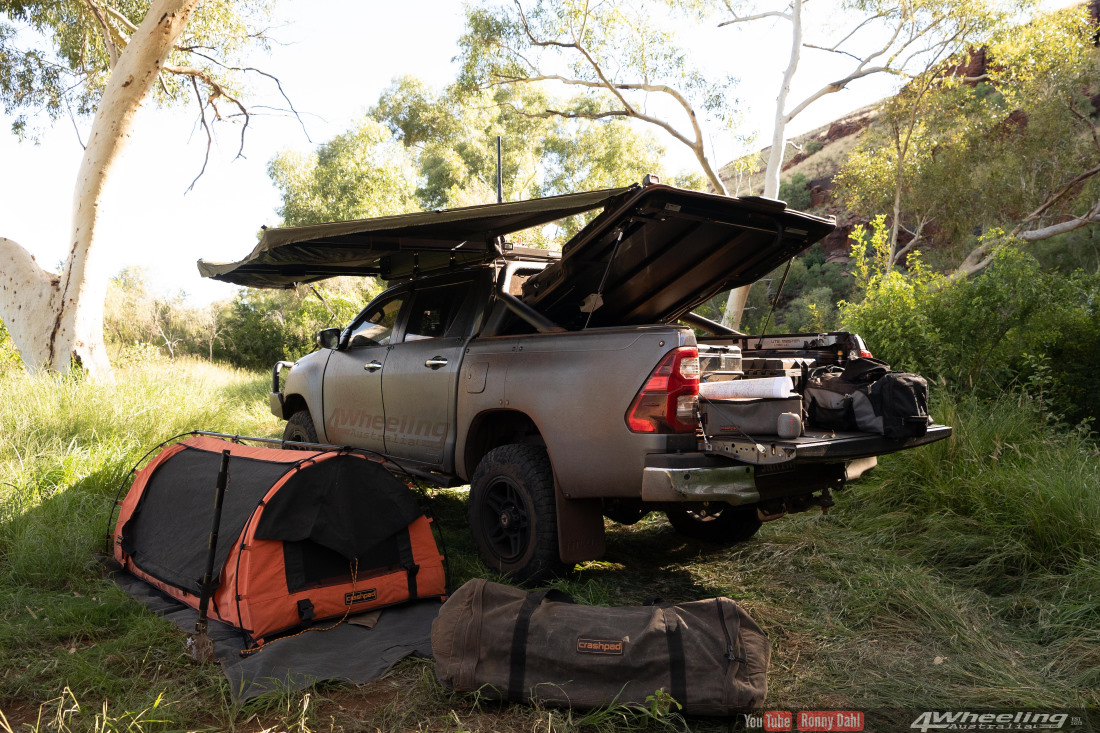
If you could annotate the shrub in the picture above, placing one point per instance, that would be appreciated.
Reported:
(1013, 325)
(9, 357)
(260, 327)
(795, 191)
(812, 312)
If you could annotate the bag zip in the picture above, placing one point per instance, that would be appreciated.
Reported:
(731, 654)
(471, 641)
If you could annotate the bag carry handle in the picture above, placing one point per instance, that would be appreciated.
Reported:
(677, 662)
(517, 666)
(865, 369)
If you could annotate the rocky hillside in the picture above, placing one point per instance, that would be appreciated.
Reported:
(814, 158)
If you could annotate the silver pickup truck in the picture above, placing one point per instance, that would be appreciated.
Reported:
(563, 386)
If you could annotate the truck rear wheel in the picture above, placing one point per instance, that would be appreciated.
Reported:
(513, 513)
(300, 428)
(716, 522)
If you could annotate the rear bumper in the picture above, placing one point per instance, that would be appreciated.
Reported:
(730, 483)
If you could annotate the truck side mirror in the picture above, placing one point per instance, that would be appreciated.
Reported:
(328, 338)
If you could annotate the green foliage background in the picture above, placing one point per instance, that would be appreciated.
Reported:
(1013, 326)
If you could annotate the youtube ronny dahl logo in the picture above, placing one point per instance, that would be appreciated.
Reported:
(778, 720)
(830, 720)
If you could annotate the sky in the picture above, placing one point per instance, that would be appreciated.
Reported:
(333, 59)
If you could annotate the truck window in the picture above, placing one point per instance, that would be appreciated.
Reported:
(376, 327)
(438, 312)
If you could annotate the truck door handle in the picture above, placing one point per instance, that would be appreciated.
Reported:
(435, 362)
(373, 366)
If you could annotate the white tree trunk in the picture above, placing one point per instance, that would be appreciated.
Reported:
(735, 304)
(69, 309)
(779, 131)
(28, 303)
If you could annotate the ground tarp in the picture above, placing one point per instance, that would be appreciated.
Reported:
(348, 652)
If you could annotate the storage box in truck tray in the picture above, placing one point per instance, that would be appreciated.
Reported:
(766, 406)
(749, 416)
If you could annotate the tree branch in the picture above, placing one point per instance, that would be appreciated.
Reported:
(76, 129)
(836, 46)
(835, 86)
(747, 18)
(1036, 235)
(1085, 121)
(832, 50)
(206, 127)
(1056, 198)
(278, 85)
(917, 237)
(120, 18)
(216, 90)
(575, 45)
(104, 31)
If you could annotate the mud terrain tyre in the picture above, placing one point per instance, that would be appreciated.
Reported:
(513, 513)
(716, 522)
(300, 428)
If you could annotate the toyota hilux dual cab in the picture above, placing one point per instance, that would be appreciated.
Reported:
(563, 387)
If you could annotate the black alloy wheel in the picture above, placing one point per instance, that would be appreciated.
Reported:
(513, 513)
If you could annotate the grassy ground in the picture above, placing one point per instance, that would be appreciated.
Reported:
(965, 573)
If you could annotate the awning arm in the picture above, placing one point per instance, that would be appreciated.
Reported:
(714, 327)
(541, 323)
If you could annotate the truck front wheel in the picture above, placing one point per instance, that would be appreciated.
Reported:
(513, 513)
(300, 428)
(716, 522)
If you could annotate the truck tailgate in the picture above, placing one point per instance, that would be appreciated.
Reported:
(815, 446)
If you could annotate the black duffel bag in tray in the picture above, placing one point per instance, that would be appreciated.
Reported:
(867, 396)
(710, 656)
(896, 406)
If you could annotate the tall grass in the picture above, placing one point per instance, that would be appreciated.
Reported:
(66, 446)
(1019, 493)
(1010, 507)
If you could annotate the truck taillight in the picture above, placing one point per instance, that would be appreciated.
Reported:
(669, 399)
(859, 349)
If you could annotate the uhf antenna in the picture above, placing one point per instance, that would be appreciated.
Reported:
(500, 176)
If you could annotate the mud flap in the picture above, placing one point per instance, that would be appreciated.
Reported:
(580, 529)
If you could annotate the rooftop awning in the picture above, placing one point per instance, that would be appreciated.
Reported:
(394, 247)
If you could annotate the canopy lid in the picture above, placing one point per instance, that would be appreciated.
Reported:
(661, 251)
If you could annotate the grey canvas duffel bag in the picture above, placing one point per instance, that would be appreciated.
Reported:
(509, 644)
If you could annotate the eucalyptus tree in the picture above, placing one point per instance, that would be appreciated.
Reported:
(873, 37)
(104, 58)
(638, 60)
(626, 58)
